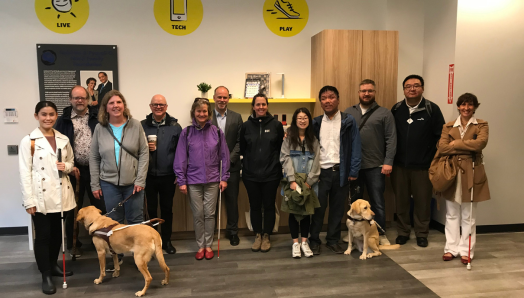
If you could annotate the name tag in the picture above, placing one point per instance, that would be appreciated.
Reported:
(267, 130)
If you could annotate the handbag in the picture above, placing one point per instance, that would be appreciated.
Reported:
(443, 171)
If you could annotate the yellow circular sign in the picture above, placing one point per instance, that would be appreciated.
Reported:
(62, 16)
(286, 18)
(179, 17)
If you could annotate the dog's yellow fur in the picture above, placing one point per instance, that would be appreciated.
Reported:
(362, 233)
(142, 240)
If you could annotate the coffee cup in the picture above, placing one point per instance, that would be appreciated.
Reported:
(152, 140)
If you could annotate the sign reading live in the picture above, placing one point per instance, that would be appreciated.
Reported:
(286, 18)
(178, 17)
(62, 16)
(451, 78)
(63, 66)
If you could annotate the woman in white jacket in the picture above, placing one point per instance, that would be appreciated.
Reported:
(41, 189)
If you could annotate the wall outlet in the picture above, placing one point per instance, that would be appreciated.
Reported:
(12, 149)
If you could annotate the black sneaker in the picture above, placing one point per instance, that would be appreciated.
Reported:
(422, 242)
(315, 248)
(335, 248)
(402, 240)
(110, 266)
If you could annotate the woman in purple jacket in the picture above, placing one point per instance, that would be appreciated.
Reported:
(200, 149)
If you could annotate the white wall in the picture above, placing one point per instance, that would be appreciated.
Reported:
(231, 41)
(489, 62)
(407, 17)
(440, 25)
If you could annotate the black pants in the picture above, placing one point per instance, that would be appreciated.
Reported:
(262, 194)
(329, 190)
(48, 239)
(295, 226)
(161, 189)
(85, 185)
(407, 182)
(230, 197)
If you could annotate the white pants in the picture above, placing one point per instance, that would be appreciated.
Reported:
(457, 216)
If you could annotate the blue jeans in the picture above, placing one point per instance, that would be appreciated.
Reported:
(132, 210)
(375, 182)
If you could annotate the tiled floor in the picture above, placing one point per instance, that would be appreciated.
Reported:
(498, 271)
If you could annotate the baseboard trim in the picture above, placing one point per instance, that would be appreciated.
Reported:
(13, 231)
(435, 225)
(500, 228)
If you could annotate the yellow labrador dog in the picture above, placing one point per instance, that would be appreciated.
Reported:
(363, 231)
(142, 240)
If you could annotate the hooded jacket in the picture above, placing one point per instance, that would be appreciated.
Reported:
(161, 160)
(102, 160)
(198, 155)
(260, 142)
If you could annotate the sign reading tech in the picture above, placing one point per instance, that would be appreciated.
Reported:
(62, 16)
(179, 17)
(286, 18)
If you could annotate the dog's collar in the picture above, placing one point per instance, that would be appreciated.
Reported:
(361, 219)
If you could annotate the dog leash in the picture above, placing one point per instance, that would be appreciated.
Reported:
(119, 205)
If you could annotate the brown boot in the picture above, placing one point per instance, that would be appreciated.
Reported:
(257, 243)
(266, 245)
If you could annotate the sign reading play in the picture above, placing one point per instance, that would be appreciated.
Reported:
(178, 17)
(62, 16)
(286, 18)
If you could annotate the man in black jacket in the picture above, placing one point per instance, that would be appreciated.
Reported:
(78, 122)
(419, 124)
(104, 87)
(230, 123)
(161, 179)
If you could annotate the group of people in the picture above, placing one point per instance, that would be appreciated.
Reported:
(316, 160)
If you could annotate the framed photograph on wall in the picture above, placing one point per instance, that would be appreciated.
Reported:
(264, 85)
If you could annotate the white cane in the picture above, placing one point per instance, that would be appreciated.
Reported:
(219, 208)
(59, 157)
(471, 213)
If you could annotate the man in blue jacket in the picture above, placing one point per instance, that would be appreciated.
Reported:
(78, 122)
(340, 154)
(161, 179)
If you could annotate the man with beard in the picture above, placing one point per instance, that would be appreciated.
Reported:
(78, 121)
(230, 123)
(379, 144)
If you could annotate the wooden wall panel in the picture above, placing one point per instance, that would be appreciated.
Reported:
(343, 58)
(338, 55)
(380, 63)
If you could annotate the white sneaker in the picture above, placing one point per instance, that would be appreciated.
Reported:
(346, 238)
(383, 240)
(306, 250)
(296, 251)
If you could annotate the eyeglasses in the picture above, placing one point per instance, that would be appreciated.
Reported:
(79, 98)
(158, 105)
(201, 98)
(366, 91)
(303, 119)
(408, 87)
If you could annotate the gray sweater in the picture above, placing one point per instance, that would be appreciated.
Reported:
(378, 136)
(102, 161)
